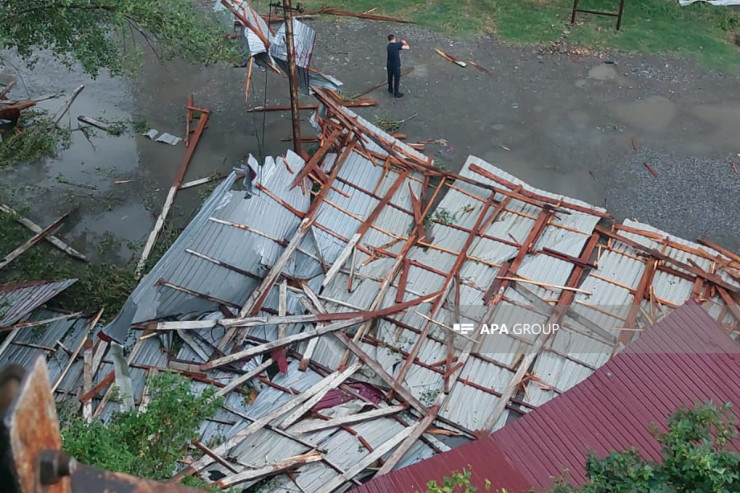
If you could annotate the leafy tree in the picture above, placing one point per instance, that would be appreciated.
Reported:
(695, 459)
(146, 444)
(108, 33)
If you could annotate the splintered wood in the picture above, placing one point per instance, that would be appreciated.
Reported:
(451, 59)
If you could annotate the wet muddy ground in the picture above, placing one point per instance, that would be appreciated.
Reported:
(566, 124)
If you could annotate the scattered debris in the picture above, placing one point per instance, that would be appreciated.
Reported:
(271, 274)
(480, 67)
(168, 139)
(356, 103)
(121, 182)
(65, 107)
(96, 123)
(5, 90)
(191, 145)
(734, 167)
(634, 144)
(202, 181)
(450, 58)
(164, 137)
(651, 170)
(364, 15)
(37, 229)
(370, 89)
(504, 147)
(32, 241)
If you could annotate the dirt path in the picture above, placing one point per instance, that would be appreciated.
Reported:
(561, 123)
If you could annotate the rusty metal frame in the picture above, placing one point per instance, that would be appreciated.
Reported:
(618, 14)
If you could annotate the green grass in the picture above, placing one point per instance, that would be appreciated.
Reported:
(100, 285)
(699, 32)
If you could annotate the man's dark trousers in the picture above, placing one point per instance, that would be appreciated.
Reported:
(394, 79)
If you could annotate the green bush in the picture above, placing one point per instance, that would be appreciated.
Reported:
(147, 444)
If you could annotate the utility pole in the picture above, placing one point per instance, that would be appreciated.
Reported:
(292, 75)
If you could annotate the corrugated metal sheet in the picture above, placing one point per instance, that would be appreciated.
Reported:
(565, 361)
(28, 343)
(18, 300)
(245, 250)
(681, 360)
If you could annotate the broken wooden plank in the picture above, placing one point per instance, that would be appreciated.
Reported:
(202, 181)
(95, 123)
(651, 170)
(244, 378)
(37, 229)
(32, 241)
(210, 453)
(262, 472)
(36, 323)
(366, 16)
(566, 298)
(381, 372)
(370, 89)
(356, 103)
(249, 79)
(286, 341)
(480, 67)
(545, 285)
(105, 382)
(65, 107)
(257, 425)
(87, 376)
(339, 379)
(76, 352)
(345, 420)
(159, 224)
(370, 458)
(450, 58)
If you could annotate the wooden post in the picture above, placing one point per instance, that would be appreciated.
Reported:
(292, 75)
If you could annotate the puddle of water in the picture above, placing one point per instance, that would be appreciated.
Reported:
(603, 72)
(651, 114)
(724, 121)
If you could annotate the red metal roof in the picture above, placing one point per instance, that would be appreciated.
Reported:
(685, 358)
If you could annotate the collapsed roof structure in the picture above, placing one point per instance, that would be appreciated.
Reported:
(269, 49)
(345, 275)
(681, 360)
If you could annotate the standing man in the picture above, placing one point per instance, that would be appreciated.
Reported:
(394, 64)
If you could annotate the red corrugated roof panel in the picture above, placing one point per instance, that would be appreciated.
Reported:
(684, 359)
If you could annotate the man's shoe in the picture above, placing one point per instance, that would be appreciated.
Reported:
(398, 95)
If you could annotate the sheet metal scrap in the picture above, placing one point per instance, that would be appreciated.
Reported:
(19, 300)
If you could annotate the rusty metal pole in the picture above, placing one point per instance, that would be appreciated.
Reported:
(292, 75)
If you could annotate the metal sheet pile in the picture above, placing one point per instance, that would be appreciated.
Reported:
(319, 298)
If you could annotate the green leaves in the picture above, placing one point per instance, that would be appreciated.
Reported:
(109, 34)
(146, 444)
(695, 459)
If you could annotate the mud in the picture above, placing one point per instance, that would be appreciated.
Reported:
(562, 123)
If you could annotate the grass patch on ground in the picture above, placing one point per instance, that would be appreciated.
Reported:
(700, 32)
(99, 286)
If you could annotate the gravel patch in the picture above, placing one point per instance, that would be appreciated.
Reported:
(691, 197)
